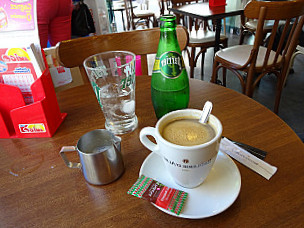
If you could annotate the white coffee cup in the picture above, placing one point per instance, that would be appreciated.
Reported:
(189, 166)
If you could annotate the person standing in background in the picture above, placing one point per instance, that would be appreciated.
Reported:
(54, 21)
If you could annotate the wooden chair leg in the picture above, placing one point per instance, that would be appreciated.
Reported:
(249, 82)
(280, 85)
(291, 64)
(224, 75)
(148, 23)
(191, 62)
(214, 72)
(226, 43)
(202, 63)
(154, 22)
(242, 32)
(242, 35)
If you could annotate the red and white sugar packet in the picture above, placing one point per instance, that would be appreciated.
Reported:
(168, 198)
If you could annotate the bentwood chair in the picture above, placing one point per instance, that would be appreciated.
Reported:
(142, 16)
(256, 60)
(201, 35)
(72, 53)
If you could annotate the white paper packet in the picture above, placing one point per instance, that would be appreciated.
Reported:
(259, 166)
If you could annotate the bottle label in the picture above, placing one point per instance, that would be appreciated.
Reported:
(170, 64)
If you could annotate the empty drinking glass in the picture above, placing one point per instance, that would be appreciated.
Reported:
(112, 76)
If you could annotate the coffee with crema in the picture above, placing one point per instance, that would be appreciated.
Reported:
(187, 132)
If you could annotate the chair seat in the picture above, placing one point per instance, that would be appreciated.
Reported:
(201, 36)
(252, 24)
(143, 13)
(239, 55)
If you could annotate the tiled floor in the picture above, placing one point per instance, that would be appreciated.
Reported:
(292, 102)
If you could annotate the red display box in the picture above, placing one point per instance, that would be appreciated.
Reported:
(213, 3)
(39, 119)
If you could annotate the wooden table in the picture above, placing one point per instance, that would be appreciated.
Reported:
(204, 12)
(38, 190)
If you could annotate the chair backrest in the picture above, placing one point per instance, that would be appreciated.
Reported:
(290, 12)
(129, 15)
(72, 53)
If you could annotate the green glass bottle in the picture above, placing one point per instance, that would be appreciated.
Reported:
(170, 82)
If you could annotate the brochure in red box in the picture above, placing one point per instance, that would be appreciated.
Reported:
(18, 69)
(38, 119)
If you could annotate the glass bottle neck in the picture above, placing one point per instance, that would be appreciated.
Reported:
(168, 30)
(167, 26)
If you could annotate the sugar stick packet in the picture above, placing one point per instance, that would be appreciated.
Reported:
(259, 166)
(168, 198)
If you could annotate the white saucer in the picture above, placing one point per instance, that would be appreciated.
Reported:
(213, 196)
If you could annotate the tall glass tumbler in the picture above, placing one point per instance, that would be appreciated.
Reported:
(112, 76)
